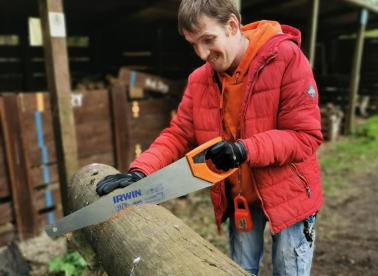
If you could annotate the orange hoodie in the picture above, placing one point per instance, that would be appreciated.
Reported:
(233, 87)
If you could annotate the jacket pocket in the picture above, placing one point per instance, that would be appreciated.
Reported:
(300, 178)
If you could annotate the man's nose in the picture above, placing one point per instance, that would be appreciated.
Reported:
(203, 53)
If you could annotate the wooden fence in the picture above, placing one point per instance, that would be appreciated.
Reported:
(110, 129)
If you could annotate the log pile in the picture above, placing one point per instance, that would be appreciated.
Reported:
(143, 239)
(331, 121)
(143, 86)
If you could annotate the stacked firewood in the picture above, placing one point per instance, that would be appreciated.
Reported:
(331, 121)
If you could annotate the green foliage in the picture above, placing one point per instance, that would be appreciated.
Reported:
(369, 130)
(72, 264)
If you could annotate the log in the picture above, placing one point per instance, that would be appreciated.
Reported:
(144, 239)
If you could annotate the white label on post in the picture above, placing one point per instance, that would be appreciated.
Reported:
(57, 24)
(35, 32)
(76, 99)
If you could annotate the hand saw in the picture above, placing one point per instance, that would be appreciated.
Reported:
(187, 175)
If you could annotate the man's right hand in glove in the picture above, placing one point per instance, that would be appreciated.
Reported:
(227, 155)
(119, 180)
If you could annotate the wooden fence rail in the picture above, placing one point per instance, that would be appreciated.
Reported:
(107, 131)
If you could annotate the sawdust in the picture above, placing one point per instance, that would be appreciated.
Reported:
(69, 236)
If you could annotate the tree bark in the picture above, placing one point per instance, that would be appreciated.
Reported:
(145, 239)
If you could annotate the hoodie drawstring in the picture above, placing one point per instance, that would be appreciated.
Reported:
(237, 75)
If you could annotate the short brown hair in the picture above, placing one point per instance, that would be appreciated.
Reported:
(191, 12)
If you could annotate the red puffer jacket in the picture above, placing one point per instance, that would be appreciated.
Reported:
(280, 128)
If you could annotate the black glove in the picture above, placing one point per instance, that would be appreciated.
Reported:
(226, 155)
(119, 180)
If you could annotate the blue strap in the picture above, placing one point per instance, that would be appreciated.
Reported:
(45, 156)
(51, 217)
(38, 126)
(48, 199)
(132, 78)
(46, 175)
(45, 161)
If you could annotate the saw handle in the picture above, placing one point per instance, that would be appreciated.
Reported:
(197, 163)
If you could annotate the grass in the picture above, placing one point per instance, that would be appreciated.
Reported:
(342, 164)
(355, 155)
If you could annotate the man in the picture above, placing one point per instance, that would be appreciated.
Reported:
(257, 91)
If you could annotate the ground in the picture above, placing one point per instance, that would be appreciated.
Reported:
(346, 227)
(347, 235)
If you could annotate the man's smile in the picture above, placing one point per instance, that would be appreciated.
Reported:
(214, 58)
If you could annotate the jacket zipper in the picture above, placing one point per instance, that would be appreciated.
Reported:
(237, 76)
(252, 172)
(221, 135)
(254, 77)
(300, 178)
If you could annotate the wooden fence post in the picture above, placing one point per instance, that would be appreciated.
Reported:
(53, 27)
(120, 126)
(355, 76)
(18, 167)
(314, 29)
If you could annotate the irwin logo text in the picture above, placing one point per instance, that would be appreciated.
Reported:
(126, 196)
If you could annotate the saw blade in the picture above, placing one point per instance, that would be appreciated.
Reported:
(170, 182)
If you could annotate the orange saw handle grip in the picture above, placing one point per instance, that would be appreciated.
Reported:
(197, 163)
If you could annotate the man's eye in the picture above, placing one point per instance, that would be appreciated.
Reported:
(209, 40)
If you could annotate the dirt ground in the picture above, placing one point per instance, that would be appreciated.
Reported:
(352, 248)
(346, 227)
(346, 234)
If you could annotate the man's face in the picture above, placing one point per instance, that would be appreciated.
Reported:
(214, 44)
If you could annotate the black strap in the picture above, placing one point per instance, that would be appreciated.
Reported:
(306, 229)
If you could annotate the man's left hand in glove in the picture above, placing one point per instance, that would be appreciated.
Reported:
(226, 155)
(119, 180)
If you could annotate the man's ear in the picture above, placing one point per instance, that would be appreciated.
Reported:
(234, 24)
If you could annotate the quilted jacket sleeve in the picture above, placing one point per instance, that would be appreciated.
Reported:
(173, 142)
(299, 131)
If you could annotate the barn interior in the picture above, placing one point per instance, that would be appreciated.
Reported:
(339, 37)
(143, 36)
